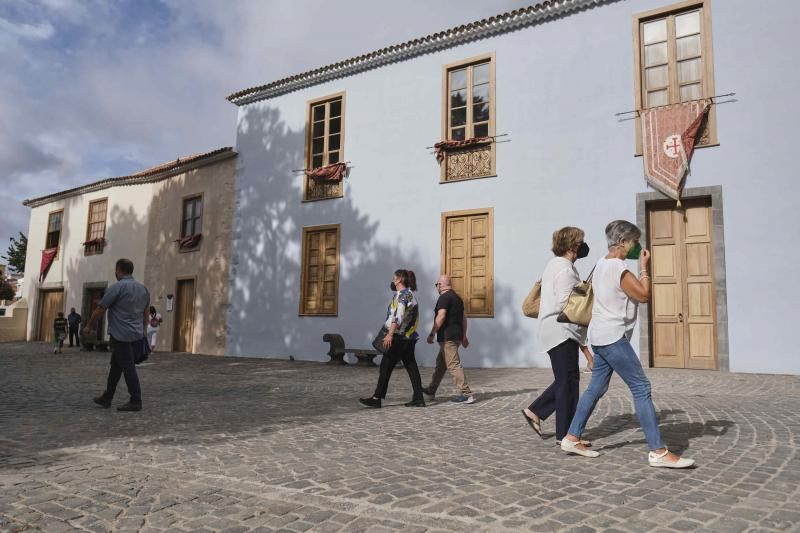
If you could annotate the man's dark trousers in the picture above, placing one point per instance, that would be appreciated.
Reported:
(401, 349)
(122, 363)
(73, 331)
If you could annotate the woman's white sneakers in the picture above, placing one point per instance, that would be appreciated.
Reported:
(572, 447)
(657, 460)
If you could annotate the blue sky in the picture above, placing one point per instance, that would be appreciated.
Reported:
(91, 89)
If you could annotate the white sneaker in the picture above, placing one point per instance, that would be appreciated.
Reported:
(572, 447)
(658, 460)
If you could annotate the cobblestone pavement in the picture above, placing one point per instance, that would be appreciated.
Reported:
(230, 444)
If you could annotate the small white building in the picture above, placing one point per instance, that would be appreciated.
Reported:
(140, 217)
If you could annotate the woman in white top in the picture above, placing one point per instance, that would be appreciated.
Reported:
(153, 324)
(617, 294)
(559, 339)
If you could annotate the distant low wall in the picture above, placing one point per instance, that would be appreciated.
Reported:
(12, 325)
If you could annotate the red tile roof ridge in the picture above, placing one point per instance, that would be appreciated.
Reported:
(154, 173)
(479, 28)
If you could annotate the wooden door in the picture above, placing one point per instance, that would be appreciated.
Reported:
(184, 316)
(51, 302)
(467, 258)
(682, 313)
(92, 299)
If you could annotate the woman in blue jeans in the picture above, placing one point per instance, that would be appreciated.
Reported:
(617, 295)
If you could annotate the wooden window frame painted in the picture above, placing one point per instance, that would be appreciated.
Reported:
(60, 231)
(307, 155)
(304, 266)
(707, 51)
(97, 249)
(184, 201)
(446, 69)
(489, 211)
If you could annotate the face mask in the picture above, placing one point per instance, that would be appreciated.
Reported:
(393, 287)
(635, 251)
(583, 250)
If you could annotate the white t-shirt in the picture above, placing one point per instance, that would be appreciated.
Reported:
(558, 280)
(150, 326)
(613, 313)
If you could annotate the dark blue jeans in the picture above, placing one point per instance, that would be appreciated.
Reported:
(562, 395)
(619, 357)
(122, 364)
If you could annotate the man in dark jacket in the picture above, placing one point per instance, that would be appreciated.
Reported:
(74, 320)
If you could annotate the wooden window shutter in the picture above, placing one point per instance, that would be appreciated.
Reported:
(467, 258)
(320, 283)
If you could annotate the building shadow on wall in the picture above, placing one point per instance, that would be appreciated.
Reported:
(267, 249)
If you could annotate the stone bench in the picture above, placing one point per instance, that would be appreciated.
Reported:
(337, 351)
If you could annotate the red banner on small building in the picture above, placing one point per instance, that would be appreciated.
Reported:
(48, 256)
(669, 134)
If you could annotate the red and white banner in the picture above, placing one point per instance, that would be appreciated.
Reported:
(334, 172)
(669, 134)
(48, 256)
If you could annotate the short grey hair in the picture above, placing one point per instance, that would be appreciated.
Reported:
(620, 230)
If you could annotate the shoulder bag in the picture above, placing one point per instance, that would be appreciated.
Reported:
(578, 309)
(530, 307)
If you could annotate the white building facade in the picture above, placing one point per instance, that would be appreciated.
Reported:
(545, 84)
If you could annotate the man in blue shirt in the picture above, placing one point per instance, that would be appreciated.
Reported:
(127, 302)
(74, 320)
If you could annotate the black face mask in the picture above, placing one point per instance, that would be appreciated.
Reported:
(583, 250)
(393, 287)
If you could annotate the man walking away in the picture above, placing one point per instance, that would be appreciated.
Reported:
(59, 332)
(450, 329)
(127, 303)
(74, 320)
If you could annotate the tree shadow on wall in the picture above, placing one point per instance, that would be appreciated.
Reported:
(267, 249)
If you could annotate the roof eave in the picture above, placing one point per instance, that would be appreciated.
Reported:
(431, 43)
(220, 155)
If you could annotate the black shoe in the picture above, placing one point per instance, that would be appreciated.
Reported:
(428, 392)
(100, 400)
(370, 402)
(130, 407)
(415, 403)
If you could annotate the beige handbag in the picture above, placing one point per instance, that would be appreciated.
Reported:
(530, 307)
(578, 309)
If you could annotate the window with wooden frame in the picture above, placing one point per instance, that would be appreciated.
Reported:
(53, 238)
(192, 219)
(324, 145)
(674, 61)
(319, 283)
(468, 105)
(468, 258)
(96, 228)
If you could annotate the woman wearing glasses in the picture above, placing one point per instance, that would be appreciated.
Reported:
(617, 295)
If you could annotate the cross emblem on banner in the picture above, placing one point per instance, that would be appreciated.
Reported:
(672, 146)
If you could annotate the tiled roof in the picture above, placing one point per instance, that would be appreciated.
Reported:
(149, 175)
(501, 23)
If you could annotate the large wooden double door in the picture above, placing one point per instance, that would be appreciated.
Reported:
(682, 312)
(51, 302)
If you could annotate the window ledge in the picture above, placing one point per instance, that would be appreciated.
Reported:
(442, 182)
(318, 314)
(189, 250)
(304, 201)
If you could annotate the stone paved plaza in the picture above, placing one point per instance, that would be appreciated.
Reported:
(228, 444)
